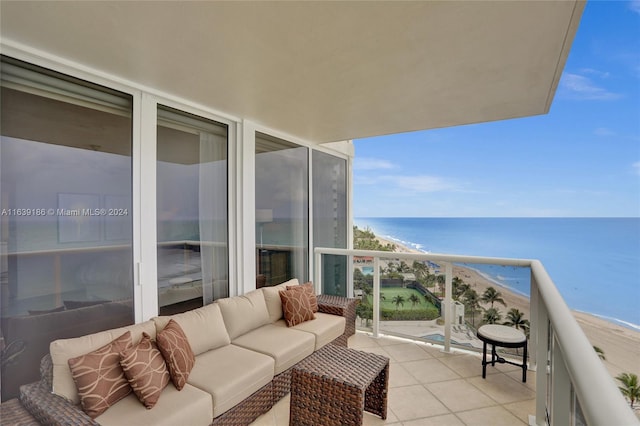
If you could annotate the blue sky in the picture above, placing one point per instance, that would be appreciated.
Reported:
(582, 159)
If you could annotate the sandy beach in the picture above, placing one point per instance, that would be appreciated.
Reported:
(621, 345)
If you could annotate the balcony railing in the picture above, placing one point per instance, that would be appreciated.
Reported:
(573, 386)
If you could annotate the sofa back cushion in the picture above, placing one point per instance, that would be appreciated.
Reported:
(272, 298)
(244, 313)
(204, 327)
(63, 349)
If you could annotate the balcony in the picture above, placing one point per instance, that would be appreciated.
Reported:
(429, 386)
(442, 384)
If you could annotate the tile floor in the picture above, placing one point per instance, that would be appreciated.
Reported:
(430, 387)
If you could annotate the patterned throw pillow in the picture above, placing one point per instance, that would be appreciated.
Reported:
(177, 352)
(145, 370)
(99, 377)
(311, 293)
(296, 306)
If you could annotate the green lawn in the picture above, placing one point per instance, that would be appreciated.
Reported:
(390, 292)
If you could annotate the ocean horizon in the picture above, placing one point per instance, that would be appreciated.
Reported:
(594, 262)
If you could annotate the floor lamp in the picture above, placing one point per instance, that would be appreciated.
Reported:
(262, 216)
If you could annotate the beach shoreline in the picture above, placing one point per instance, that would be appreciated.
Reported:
(621, 345)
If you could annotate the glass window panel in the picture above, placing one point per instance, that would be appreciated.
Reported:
(330, 218)
(66, 222)
(282, 211)
(191, 211)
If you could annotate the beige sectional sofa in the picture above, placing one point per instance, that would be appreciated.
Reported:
(244, 352)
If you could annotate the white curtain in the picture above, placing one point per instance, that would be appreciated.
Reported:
(212, 208)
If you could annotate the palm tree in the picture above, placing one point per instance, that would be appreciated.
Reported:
(491, 295)
(403, 267)
(472, 302)
(492, 316)
(515, 319)
(420, 270)
(365, 239)
(600, 353)
(359, 279)
(440, 279)
(414, 299)
(630, 387)
(365, 312)
(458, 287)
(391, 268)
(367, 291)
(398, 300)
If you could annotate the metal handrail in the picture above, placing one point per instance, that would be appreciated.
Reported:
(600, 399)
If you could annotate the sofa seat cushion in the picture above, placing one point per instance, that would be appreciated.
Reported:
(286, 346)
(325, 328)
(229, 375)
(190, 406)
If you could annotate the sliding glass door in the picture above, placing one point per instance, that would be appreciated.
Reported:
(66, 218)
(191, 211)
(282, 211)
(67, 222)
(329, 183)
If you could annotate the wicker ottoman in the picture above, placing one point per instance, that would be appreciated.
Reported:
(335, 384)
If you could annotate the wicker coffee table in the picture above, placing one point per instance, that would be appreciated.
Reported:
(335, 384)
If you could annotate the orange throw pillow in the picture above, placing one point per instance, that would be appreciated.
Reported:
(311, 293)
(145, 370)
(296, 306)
(99, 377)
(177, 352)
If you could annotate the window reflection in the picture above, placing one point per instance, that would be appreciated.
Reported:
(191, 211)
(66, 223)
(330, 218)
(282, 211)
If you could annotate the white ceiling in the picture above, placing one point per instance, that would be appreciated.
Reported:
(321, 71)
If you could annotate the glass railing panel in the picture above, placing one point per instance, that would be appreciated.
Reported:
(335, 279)
(489, 294)
(413, 293)
(553, 329)
(410, 299)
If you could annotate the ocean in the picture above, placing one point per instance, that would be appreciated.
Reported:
(594, 262)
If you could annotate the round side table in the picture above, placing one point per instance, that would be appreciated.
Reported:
(506, 337)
